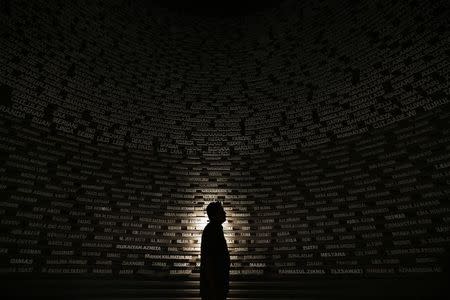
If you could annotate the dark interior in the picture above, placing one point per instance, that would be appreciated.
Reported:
(321, 126)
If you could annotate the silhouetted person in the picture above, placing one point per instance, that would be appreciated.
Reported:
(215, 259)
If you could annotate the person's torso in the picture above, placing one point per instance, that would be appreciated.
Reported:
(214, 245)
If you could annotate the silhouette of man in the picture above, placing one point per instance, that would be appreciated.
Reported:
(215, 258)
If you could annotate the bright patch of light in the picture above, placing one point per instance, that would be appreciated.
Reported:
(202, 222)
(226, 225)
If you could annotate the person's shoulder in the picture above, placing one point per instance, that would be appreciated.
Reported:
(207, 232)
(207, 228)
(210, 228)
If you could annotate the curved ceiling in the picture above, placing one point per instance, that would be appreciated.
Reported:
(300, 74)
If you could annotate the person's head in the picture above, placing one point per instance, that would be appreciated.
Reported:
(215, 212)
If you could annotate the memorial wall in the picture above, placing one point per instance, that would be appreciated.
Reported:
(323, 127)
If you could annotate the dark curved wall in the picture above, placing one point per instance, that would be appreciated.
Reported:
(323, 128)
